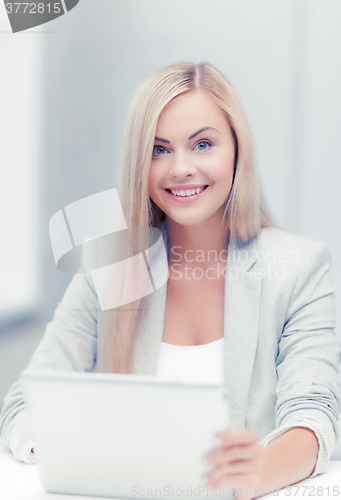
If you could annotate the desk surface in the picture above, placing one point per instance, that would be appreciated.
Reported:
(20, 481)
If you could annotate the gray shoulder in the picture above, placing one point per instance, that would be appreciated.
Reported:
(288, 247)
(271, 236)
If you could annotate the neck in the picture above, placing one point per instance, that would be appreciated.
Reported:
(210, 235)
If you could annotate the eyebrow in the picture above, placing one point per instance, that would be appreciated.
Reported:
(190, 137)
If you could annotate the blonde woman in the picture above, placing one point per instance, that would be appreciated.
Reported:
(245, 302)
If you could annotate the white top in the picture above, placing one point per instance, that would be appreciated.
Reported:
(192, 362)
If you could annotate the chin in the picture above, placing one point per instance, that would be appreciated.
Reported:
(188, 220)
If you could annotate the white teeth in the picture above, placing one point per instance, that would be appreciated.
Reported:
(188, 192)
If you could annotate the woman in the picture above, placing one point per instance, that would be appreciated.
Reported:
(258, 314)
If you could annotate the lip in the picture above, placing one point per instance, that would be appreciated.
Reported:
(187, 199)
(187, 186)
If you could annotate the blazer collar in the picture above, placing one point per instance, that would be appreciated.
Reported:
(241, 325)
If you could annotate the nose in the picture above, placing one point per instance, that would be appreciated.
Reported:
(182, 166)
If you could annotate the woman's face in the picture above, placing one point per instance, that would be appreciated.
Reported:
(193, 149)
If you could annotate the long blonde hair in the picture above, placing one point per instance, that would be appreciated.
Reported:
(245, 210)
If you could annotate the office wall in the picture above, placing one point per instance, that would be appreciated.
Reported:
(20, 100)
(320, 202)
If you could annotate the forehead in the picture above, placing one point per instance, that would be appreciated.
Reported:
(193, 109)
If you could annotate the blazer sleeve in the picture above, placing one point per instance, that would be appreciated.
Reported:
(308, 388)
(69, 344)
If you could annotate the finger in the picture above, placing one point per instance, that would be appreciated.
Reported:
(236, 437)
(223, 471)
(232, 454)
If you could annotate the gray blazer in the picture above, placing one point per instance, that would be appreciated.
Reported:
(281, 351)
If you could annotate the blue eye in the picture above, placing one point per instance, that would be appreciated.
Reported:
(159, 150)
(203, 145)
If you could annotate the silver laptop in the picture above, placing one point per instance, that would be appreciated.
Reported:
(123, 436)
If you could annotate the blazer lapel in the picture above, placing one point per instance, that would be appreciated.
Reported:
(241, 324)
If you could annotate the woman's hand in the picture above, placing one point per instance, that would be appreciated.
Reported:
(238, 462)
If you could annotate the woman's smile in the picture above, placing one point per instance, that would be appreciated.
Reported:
(186, 194)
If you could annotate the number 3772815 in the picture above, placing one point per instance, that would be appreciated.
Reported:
(33, 8)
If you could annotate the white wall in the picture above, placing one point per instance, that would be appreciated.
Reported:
(321, 193)
(20, 101)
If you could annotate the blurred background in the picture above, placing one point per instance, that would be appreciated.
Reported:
(65, 89)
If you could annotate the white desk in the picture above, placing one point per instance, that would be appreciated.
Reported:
(19, 481)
